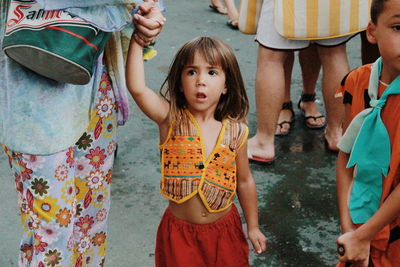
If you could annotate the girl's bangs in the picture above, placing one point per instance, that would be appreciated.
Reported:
(211, 55)
(207, 49)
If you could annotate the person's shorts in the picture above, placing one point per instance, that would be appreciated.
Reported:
(268, 37)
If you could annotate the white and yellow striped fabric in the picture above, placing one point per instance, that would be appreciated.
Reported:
(249, 13)
(320, 19)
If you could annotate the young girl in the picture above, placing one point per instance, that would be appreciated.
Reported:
(203, 156)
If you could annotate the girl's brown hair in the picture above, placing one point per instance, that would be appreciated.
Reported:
(233, 105)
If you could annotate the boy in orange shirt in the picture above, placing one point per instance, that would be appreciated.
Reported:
(370, 208)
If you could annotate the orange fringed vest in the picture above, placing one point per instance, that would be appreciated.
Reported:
(185, 171)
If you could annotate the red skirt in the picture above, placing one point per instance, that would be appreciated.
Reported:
(183, 244)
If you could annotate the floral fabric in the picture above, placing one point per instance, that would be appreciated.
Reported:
(64, 198)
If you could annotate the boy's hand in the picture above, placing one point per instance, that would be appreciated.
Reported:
(258, 240)
(148, 23)
(356, 250)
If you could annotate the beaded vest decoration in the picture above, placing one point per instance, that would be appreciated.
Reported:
(185, 170)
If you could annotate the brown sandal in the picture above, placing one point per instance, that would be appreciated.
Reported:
(218, 9)
(233, 24)
(289, 106)
(310, 98)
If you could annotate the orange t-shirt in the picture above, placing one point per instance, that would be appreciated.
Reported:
(354, 90)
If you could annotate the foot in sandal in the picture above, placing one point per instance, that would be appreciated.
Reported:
(217, 6)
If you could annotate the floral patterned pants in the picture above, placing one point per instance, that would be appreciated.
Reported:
(64, 198)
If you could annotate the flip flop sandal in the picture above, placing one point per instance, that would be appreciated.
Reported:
(218, 9)
(310, 98)
(288, 106)
(233, 24)
(280, 125)
(257, 159)
(313, 126)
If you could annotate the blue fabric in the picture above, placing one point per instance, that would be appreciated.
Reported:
(371, 154)
(38, 115)
(60, 4)
(108, 15)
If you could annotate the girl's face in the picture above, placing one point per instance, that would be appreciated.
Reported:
(202, 85)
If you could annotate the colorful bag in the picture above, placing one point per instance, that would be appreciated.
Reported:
(249, 13)
(320, 19)
(52, 43)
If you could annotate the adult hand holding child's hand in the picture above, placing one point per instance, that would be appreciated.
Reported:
(148, 23)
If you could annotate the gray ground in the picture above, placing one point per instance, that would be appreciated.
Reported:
(297, 200)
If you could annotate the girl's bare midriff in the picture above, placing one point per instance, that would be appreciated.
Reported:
(194, 211)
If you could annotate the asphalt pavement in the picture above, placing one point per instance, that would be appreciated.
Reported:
(297, 197)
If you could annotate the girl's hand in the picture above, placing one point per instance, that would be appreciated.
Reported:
(356, 250)
(149, 22)
(258, 240)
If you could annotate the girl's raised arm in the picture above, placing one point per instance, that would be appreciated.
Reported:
(154, 106)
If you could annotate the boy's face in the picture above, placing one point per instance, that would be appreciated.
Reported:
(386, 33)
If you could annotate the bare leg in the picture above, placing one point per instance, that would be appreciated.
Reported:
(233, 13)
(335, 66)
(270, 92)
(285, 114)
(310, 67)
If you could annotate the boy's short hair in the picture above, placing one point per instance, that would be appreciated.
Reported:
(377, 7)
